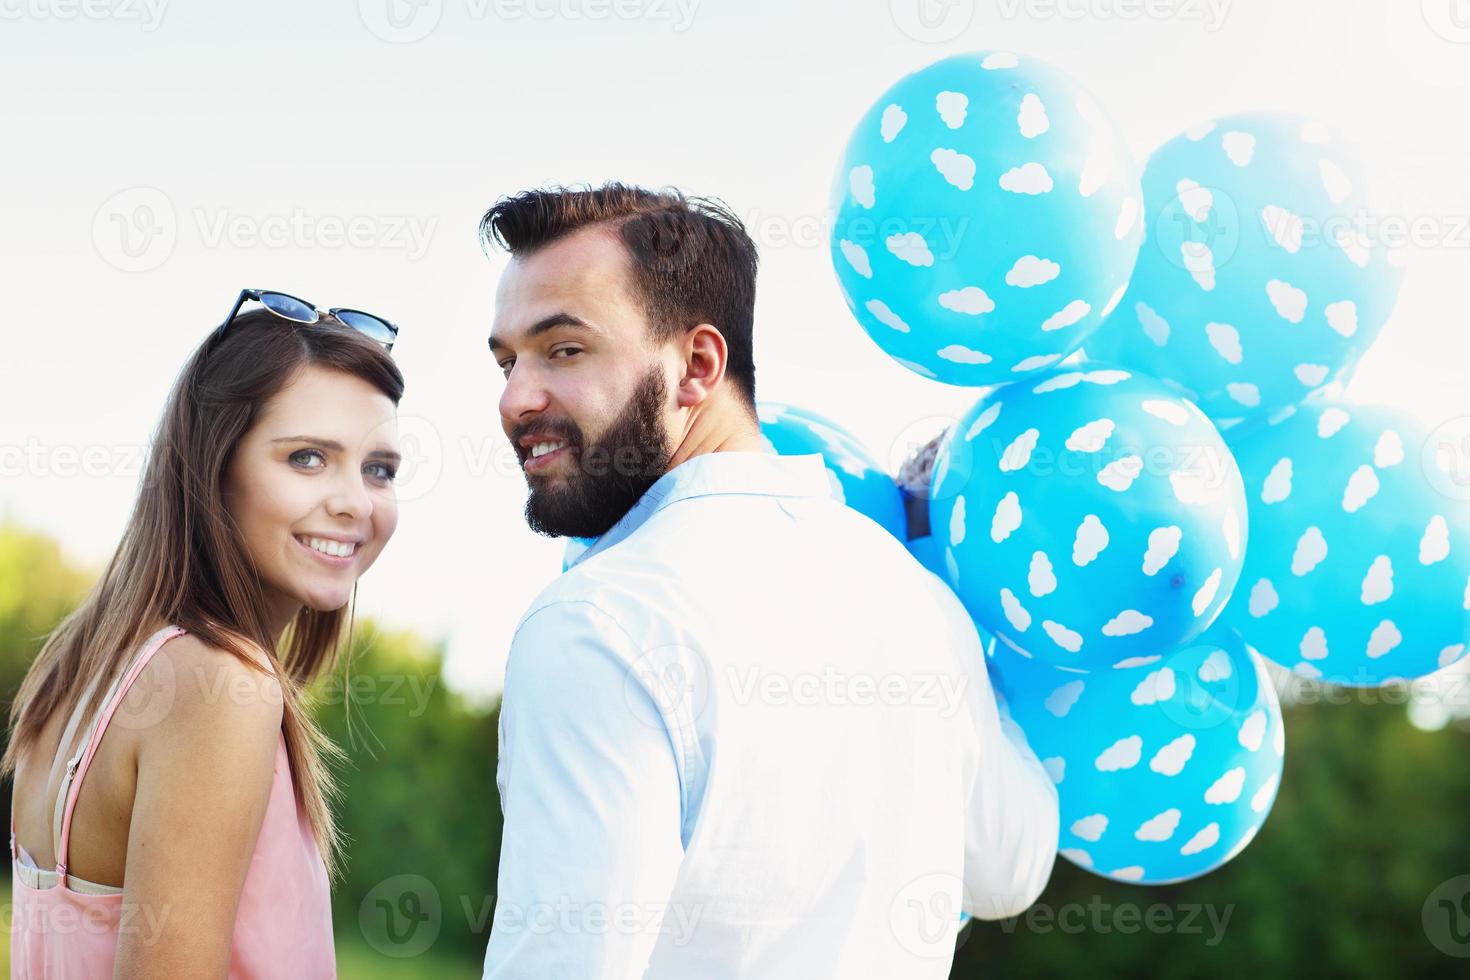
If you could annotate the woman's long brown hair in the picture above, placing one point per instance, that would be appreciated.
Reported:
(182, 559)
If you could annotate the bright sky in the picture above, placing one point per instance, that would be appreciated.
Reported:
(344, 152)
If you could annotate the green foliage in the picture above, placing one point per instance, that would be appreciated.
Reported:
(419, 795)
(358, 961)
(38, 587)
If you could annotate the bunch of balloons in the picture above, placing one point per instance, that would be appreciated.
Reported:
(1096, 516)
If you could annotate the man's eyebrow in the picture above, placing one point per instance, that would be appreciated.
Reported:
(337, 447)
(545, 324)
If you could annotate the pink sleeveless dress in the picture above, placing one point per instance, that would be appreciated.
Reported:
(66, 928)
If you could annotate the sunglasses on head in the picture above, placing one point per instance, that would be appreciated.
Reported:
(300, 311)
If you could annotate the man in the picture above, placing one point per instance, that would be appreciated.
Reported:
(745, 735)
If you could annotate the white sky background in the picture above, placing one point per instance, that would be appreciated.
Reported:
(241, 116)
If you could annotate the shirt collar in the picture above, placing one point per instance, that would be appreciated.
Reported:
(708, 474)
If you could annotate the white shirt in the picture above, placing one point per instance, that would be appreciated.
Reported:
(747, 735)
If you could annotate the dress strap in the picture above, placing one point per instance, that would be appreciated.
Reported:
(77, 765)
(72, 724)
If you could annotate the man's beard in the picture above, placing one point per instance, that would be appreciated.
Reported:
(607, 478)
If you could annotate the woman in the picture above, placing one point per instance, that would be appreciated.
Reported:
(164, 764)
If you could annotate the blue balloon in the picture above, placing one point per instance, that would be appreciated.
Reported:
(1164, 771)
(987, 217)
(1358, 570)
(857, 478)
(1261, 282)
(1089, 517)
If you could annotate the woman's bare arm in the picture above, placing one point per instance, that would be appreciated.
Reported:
(204, 778)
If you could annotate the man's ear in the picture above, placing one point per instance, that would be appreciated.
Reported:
(705, 356)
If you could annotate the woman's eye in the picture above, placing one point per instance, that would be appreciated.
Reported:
(378, 471)
(301, 454)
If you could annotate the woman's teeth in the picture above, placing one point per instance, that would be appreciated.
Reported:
(337, 549)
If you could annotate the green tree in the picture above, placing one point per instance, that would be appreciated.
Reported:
(419, 803)
(38, 588)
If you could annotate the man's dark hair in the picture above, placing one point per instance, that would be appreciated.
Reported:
(692, 260)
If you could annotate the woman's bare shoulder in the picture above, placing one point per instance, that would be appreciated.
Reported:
(190, 682)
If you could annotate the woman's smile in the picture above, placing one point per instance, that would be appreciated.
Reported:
(335, 552)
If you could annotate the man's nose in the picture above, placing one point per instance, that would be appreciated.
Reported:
(524, 395)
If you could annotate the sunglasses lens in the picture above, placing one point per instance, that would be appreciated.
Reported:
(288, 307)
(368, 324)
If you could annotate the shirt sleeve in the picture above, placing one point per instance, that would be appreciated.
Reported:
(590, 788)
(1012, 823)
